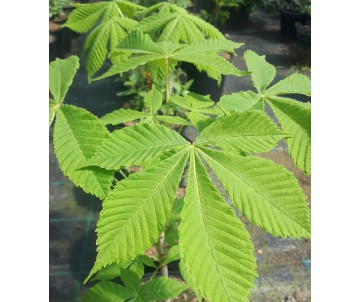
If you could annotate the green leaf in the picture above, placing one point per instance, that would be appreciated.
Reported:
(85, 16)
(179, 26)
(220, 261)
(150, 53)
(103, 40)
(61, 74)
(153, 100)
(193, 101)
(176, 210)
(129, 64)
(295, 118)
(110, 272)
(122, 116)
(186, 275)
(199, 120)
(136, 211)
(77, 135)
(240, 101)
(106, 291)
(128, 8)
(131, 279)
(162, 288)
(53, 106)
(201, 46)
(173, 255)
(265, 193)
(295, 83)
(134, 145)
(250, 131)
(177, 120)
(147, 261)
(214, 65)
(263, 73)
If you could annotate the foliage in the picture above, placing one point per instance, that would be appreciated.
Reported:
(56, 7)
(296, 6)
(220, 14)
(141, 212)
(109, 22)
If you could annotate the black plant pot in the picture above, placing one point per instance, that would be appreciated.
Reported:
(238, 17)
(303, 47)
(202, 83)
(288, 20)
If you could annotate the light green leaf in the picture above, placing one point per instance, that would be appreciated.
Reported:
(295, 118)
(177, 25)
(129, 64)
(53, 106)
(199, 120)
(162, 288)
(173, 255)
(153, 100)
(106, 291)
(265, 193)
(251, 131)
(109, 272)
(185, 274)
(295, 83)
(201, 46)
(128, 8)
(61, 74)
(136, 211)
(131, 279)
(77, 135)
(240, 101)
(134, 145)
(85, 16)
(176, 210)
(177, 120)
(213, 64)
(220, 261)
(103, 40)
(263, 73)
(193, 101)
(146, 260)
(122, 116)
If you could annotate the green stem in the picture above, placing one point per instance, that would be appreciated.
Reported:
(168, 86)
(122, 173)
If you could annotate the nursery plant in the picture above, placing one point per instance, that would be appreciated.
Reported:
(141, 213)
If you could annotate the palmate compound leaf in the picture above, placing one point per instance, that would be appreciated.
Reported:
(103, 40)
(134, 145)
(250, 131)
(214, 244)
(262, 72)
(265, 193)
(136, 211)
(143, 50)
(77, 135)
(295, 118)
(113, 26)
